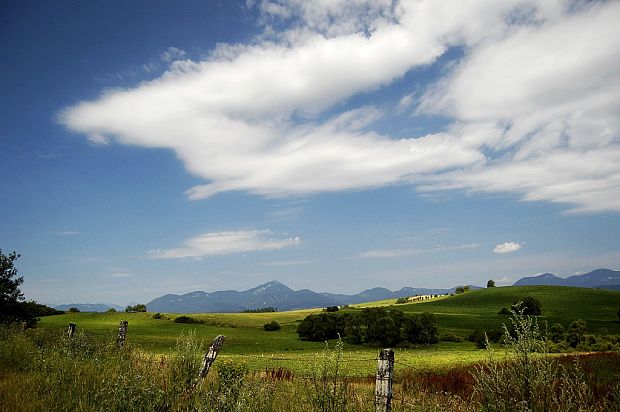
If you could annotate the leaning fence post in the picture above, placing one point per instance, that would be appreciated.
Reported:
(122, 333)
(71, 330)
(383, 382)
(210, 357)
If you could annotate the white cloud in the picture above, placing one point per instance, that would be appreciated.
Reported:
(507, 247)
(535, 102)
(386, 253)
(225, 243)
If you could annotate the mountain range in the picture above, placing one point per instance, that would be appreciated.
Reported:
(277, 295)
(90, 307)
(272, 294)
(599, 278)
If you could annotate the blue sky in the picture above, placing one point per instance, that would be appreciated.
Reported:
(152, 147)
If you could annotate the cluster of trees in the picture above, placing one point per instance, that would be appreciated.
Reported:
(373, 326)
(137, 308)
(13, 307)
(462, 289)
(260, 310)
(559, 339)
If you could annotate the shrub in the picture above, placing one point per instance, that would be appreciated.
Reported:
(529, 379)
(331, 309)
(329, 388)
(504, 311)
(74, 310)
(491, 283)
(158, 316)
(272, 326)
(400, 301)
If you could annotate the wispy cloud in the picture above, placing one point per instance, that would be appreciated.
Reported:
(225, 243)
(507, 247)
(68, 233)
(386, 253)
(121, 275)
(288, 263)
(245, 118)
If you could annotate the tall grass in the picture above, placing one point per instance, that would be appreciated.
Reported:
(43, 371)
(528, 378)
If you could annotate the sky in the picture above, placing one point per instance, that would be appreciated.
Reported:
(154, 147)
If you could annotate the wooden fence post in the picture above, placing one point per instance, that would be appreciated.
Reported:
(210, 357)
(122, 333)
(71, 330)
(383, 382)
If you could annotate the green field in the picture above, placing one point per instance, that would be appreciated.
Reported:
(461, 314)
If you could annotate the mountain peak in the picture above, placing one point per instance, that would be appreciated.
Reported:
(270, 287)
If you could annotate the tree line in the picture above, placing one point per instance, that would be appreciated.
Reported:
(373, 326)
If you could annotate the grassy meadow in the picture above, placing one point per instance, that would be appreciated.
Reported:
(460, 314)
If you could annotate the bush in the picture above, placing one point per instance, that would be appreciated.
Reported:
(186, 319)
(331, 309)
(400, 301)
(74, 310)
(504, 311)
(450, 337)
(272, 326)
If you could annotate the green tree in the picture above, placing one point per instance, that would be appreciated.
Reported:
(74, 310)
(556, 333)
(528, 306)
(428, 333)
(11, 297)
(576, 332)
(491, 283)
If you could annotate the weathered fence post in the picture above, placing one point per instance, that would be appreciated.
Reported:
(122, 333)
(71, 330)
(210, 357)
(383, 382)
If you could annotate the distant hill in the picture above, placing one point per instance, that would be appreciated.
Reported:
(90, 307)
(273, 294)
(599, 278)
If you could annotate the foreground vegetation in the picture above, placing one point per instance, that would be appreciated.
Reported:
(50, 371)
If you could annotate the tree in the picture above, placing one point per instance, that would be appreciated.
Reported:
(9, 282)
(11, 297)
(138, 308)
(74, 310)
(491, 283)
(576, 331)
(428, 333)
(527, 306)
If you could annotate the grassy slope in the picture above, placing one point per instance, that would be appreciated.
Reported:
(479, 309)
(460, 314)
